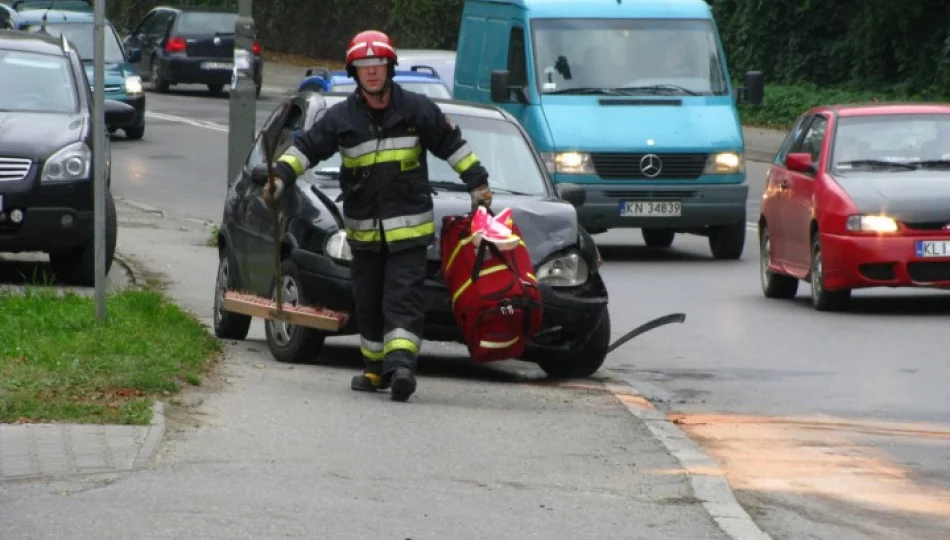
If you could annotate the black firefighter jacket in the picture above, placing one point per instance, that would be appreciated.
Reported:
(384, 177)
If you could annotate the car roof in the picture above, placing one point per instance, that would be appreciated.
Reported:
(448, 106)
(679, 9)
(880, 109)
(17, 40)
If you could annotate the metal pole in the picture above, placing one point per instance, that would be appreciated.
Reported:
(243, 95)
(99, 156)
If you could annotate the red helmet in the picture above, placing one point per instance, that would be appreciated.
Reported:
(370, 48)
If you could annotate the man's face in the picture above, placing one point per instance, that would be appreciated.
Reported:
(372, 77)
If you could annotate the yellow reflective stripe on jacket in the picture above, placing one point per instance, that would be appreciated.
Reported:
(293, 161)
(409, 227)
(468, 282)
(403, 149)
(462, 159)
(374, 235)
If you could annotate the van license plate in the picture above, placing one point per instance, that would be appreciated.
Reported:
(216, 65)
(651, 208)
(933, 248)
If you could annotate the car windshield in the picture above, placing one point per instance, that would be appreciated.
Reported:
(207, 23)
(885, 142)
(433, 89)
(632, 56)
(35, 82)
(82, 38)
(501, 148)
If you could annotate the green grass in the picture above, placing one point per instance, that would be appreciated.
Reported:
(784, 103)
(57, 363)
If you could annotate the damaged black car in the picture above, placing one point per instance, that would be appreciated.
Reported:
(314, 254)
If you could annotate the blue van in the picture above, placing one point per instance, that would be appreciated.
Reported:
(630, 99)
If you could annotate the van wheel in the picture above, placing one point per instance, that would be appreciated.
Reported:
(658, 238)
(587, 361)
(287, 342)
(728, 241)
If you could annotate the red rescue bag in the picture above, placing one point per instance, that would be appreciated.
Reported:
(495, 296)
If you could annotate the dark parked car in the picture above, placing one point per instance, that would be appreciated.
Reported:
(189, 45)
(46, 168)
(315, 268)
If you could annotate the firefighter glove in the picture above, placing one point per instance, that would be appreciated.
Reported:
(481, 196)
(273, 191)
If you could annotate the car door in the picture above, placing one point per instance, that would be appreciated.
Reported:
(775, 193)
(800, 195)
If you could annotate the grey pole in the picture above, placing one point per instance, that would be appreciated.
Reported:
(243, 95)
(99, 156)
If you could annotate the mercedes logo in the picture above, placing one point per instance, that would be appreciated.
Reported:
(217, 41)
(650, 165)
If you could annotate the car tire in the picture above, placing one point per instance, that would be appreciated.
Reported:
(588, 360)
(135, 133)
(78, 266)
(658, 238)
(159, 83)
(728, 241)
(823, 299)
(773, 285)
(289, 343)
(228, 325)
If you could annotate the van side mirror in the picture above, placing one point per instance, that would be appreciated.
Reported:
(572, 193)
(754, 90)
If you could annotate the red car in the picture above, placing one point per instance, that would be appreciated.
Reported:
(858, 196)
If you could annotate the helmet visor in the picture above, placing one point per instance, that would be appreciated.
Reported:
(367, 62)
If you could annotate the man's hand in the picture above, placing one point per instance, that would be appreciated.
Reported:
(481, 196)
(273, 191)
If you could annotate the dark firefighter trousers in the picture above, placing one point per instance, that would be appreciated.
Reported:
(390, 306)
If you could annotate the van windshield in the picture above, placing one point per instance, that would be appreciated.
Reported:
(628, 56)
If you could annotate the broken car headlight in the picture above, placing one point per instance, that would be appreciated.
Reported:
(337, 247)
(565, 271)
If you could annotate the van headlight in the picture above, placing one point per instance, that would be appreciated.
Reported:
(568, 162)
(725, 163)
(565, 271)
(337, 247)
(70, 163)
(133, 85)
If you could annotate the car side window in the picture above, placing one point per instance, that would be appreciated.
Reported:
(814, 137)
(517, 64)
(793, 137)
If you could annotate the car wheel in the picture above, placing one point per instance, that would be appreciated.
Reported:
(287, 342)
(228, 325)
(658, 238)
(773, 285)
(588, 360)
(159, 84)
(78, 267)
(728, 241)
(821, 298)
(135, 133)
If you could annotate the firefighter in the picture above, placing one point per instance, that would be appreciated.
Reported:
(382, 133)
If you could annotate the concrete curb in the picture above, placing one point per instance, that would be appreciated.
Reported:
(154, 436)
(707, 480)
(138, 279)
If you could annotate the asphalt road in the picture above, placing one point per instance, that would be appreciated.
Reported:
(831, 425)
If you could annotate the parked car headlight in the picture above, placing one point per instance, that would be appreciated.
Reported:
(565, 271)
(878, 224)
(568, 162)
(133, 85)
(337, 247)
(70, 163)
(725, 163)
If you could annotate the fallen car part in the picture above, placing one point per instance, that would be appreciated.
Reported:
(646, 327)
(264, 308)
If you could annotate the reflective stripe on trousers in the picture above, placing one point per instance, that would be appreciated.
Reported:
(401, 339)
(371, 350)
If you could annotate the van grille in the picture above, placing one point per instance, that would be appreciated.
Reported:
(621, 166)
(14, 169)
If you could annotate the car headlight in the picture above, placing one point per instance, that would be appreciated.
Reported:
(725, 163)
(568, 162)
(133, 85)
(70, 163)
(878, 224)
(566, 271)
(337, 247)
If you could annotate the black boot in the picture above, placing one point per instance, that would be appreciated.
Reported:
(365, 382)
(403, 383)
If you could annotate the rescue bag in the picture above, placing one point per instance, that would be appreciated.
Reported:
(495, 296)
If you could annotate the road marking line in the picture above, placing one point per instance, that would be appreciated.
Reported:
(190, 121)
(706, 478)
